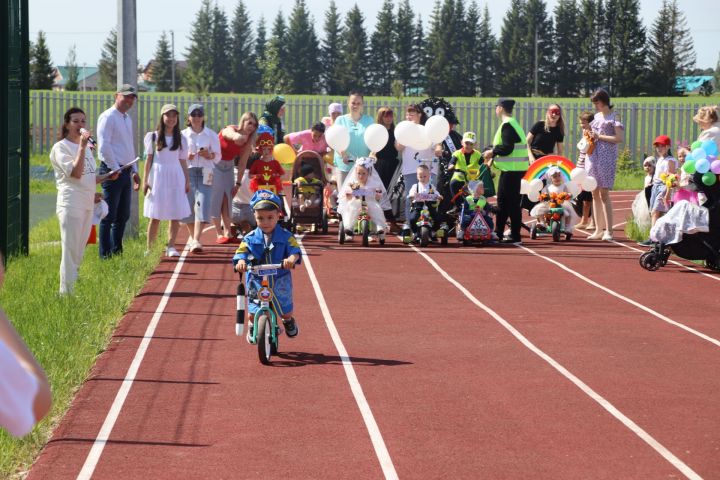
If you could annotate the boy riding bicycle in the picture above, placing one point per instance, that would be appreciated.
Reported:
(269, 243)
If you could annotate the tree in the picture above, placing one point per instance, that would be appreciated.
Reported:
(382, 59)
(513, 57)
(260, 47)
(330, 58)
(469, 47)
(404, 46)
(274, 74)
(671, 53)
(220, 45)
(353, 69)
(567, 49)
(200, 76)
(418, 60)
(244, 74)
(301, 45)
(540, 30)
(162, 64)
(108, 63)
(73, 72)
(589, 32)
(443, 50)
(42, 72)
(628, 69)
(486, 56)
(717, 73)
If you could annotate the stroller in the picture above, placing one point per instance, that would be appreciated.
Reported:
(704, 246)
(307, 200)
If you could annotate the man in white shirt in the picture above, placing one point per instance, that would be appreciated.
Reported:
(117, 148)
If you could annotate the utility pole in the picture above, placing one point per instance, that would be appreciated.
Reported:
(172, 65)
(535, 89)
(84, 75)
(127, 73)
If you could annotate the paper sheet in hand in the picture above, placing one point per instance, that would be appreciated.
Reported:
(127, 165)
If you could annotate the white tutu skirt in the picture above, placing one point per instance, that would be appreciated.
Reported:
(166, 199)
(683, 217)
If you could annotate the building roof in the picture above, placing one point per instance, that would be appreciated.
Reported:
(692, 82)
(83, 72)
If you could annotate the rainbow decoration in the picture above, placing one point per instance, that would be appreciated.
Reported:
(538, 169)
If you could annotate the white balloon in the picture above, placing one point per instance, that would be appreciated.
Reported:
(573, 188)
(589, 184)
(524, 187)
(437, 128)
(404, 132)
(536, 185)
(338, 138)
(421, 141)
(534, 196)
(578, 174)
(376, 137)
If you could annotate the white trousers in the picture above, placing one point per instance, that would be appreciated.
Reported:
(351, 209)
(75, 227)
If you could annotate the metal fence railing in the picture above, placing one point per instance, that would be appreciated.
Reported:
(643, 120)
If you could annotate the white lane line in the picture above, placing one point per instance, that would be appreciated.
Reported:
(104, 435)
(624, 298)
(381, 450)
(682, 265)
(609, 407)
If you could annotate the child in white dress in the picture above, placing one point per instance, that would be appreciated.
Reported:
(362, 177)
(558, 189)
(166, 180)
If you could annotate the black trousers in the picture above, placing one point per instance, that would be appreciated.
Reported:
(508, 201)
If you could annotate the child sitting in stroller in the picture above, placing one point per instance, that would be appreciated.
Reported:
(362, 178)
(556, 193)
(309, 187)
(265, 172)
(473, 204)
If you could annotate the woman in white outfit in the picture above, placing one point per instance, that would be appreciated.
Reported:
(166, 181)
(75, 177)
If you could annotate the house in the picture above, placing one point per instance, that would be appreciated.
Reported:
(145, 78)
(692, 84)
(88, 78)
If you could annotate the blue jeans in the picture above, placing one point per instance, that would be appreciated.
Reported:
(117, 194)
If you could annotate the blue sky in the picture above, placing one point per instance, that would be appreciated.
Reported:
(87, 24)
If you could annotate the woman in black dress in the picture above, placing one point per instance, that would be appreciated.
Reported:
(387, 159)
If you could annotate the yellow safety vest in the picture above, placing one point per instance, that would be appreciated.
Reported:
(518, 159)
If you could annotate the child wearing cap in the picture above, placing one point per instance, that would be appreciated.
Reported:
(309, 187)
(266, 172)
(269, 243)
(473, 203)
(467, 165)
(665, 164)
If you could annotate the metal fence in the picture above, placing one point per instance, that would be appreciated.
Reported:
(643, 120)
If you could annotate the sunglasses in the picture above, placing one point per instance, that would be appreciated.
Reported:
(554, 111)
(265, 143)
(197, 114)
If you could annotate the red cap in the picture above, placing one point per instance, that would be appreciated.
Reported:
(662, 140)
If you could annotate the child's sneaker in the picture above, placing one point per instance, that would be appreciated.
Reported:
(248, 337)
(291, 328)
(172, 252)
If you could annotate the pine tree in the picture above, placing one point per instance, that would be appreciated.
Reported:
(486, 56)
(302, 47)
(199, 76)
(353, 68)
(443, 52)
(418, 60)
(73, 72)
(589, 32)
(108, 63)
(220, 45)
(567, 49)
(404, 47)
(540, 29)
(42, 72)
(469, 48)
(671, 53)
(513, 57)
(717, 74)
(260, 48)
(628, 71)
(330, 60)
(243, 69)
(162, 65)
(274, 74)
(381, 61)
(608, 44)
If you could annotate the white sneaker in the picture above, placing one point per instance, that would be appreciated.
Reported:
(171, 252)
(607, 236)
(195, 246)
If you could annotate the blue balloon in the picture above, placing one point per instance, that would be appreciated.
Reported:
(702, 165)
(710, 147)
(689, 156)
(699, 153)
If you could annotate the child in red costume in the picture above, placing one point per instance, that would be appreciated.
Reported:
(265, 172)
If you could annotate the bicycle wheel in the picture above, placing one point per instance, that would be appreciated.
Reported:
(556, 231)
(341, 232)
(264, 338)
(424, 236)
(365, 229)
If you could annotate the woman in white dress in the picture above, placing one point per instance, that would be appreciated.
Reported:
(166, 182)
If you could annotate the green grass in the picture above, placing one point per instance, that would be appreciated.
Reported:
(66, 334)
(634, 232)
(629, 180)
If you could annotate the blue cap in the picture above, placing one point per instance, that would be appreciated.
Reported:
(265, 200)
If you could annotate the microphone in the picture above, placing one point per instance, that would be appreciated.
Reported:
(91, 140)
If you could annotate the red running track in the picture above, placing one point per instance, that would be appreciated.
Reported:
(549, 361)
